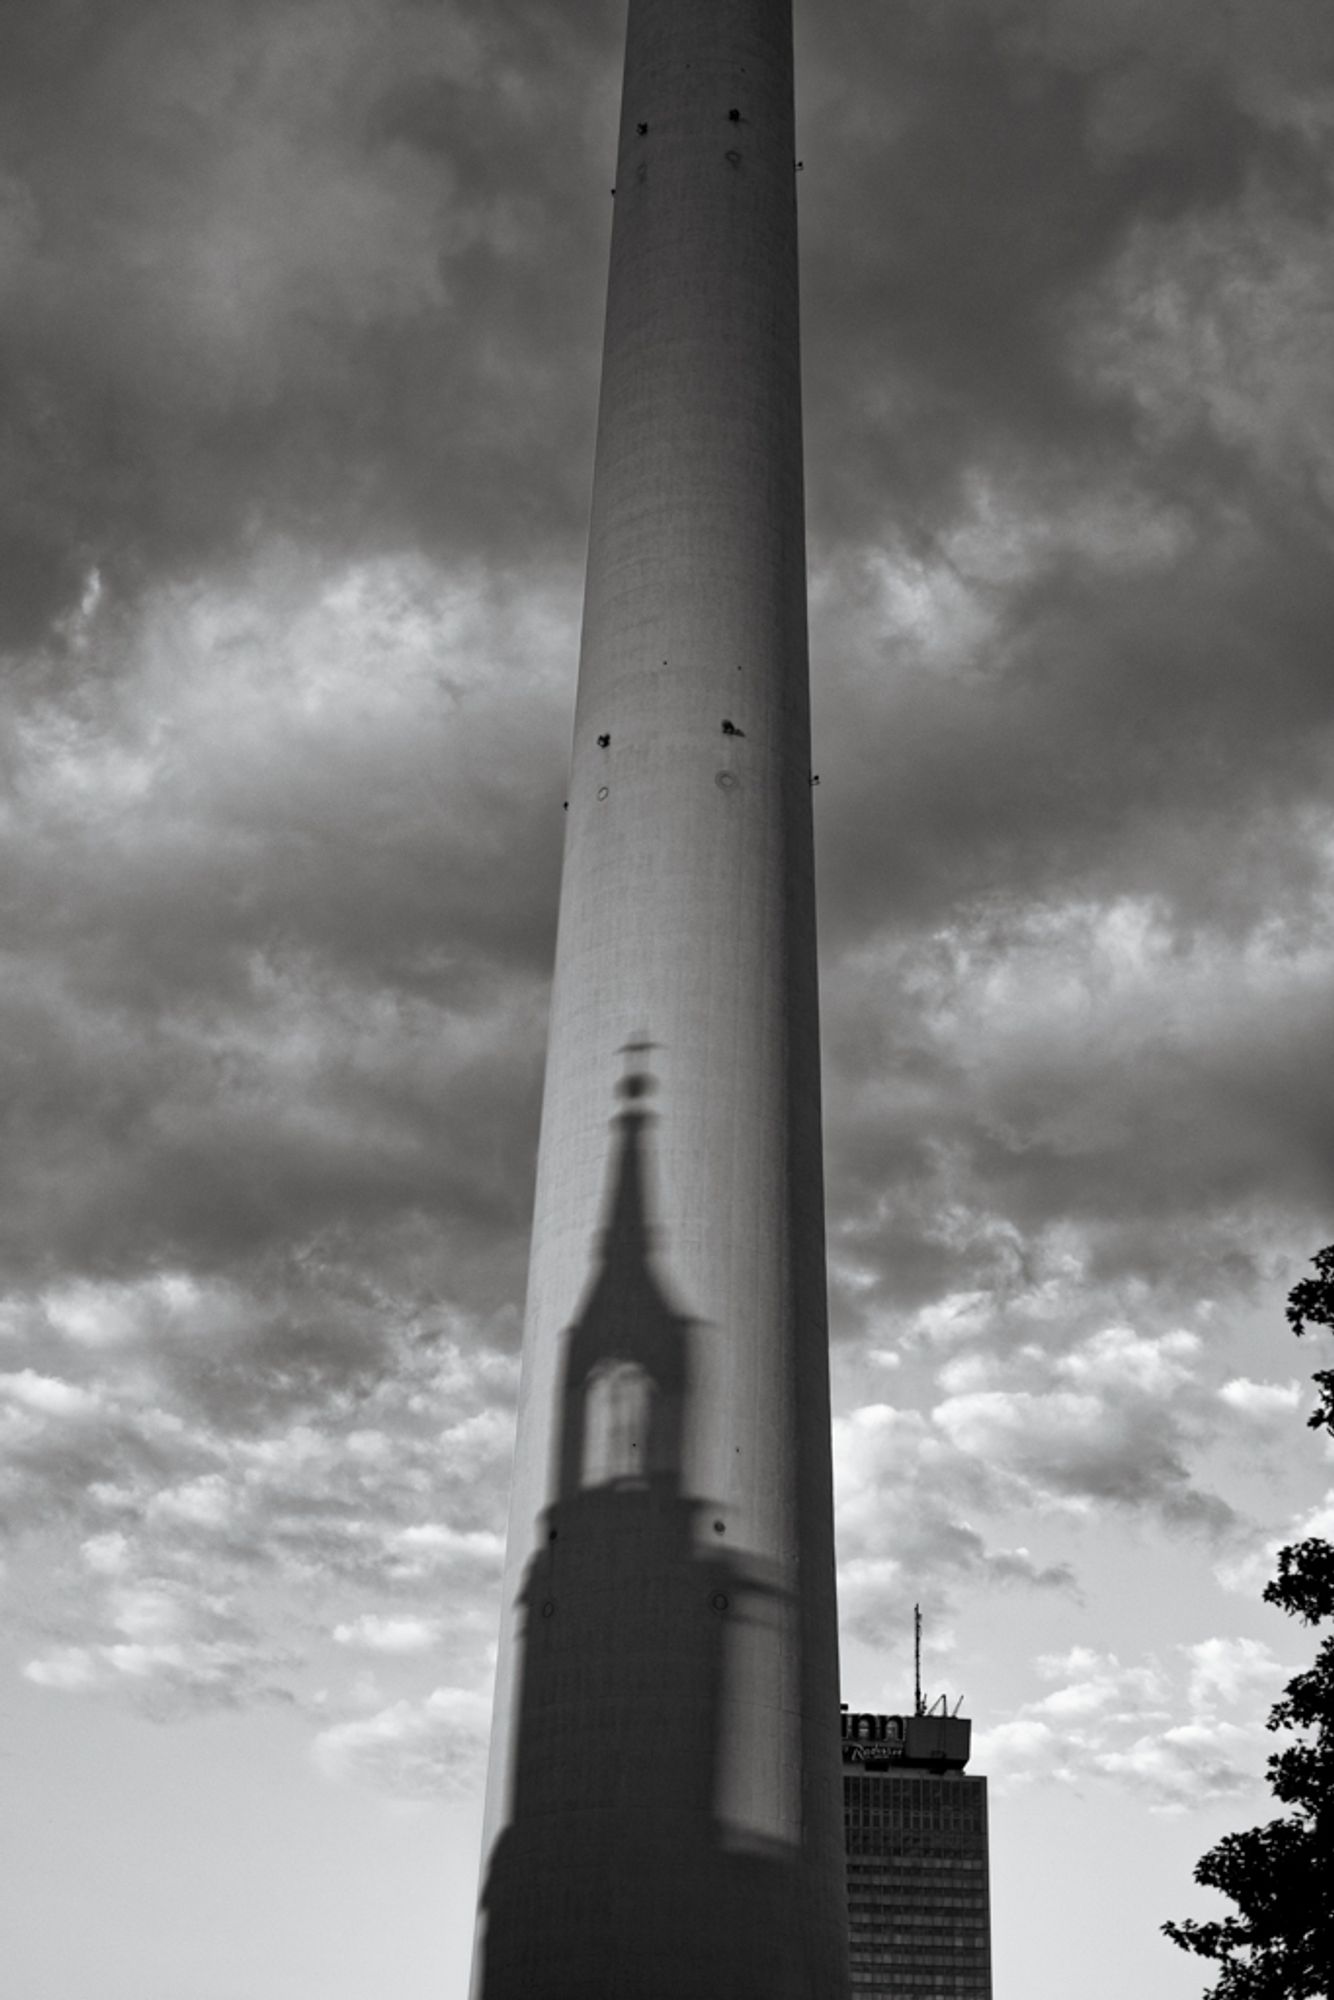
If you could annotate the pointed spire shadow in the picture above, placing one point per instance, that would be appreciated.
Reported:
(629, 1614)
(627, 1363)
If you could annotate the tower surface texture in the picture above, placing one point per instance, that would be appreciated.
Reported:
(664, 1812)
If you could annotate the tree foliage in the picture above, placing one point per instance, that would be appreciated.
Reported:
(1280, 1943)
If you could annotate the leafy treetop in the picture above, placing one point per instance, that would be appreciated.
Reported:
(1280, 1944)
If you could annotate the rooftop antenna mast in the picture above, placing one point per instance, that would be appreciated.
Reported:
(918, 1704)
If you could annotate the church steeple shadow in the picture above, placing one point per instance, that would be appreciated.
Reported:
(631, 1607)
(627, 1357)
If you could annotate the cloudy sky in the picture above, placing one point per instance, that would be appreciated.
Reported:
(297, 386)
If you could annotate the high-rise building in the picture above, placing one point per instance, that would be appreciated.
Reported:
(915, 1827)
(662, 1815)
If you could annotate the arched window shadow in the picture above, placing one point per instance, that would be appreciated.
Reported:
(618, 1415)
(615, 1877)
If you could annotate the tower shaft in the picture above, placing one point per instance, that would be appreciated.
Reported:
(663, 1807)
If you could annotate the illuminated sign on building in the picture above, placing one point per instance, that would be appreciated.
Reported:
(935, 1742)
(873, 1739)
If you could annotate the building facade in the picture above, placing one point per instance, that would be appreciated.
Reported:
(915, 1828)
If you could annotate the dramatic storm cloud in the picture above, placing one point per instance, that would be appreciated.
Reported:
(297, 389)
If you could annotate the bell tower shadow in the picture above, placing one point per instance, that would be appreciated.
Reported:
(632, 1616)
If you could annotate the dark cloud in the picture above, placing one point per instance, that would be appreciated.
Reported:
(1072, 457)
(955, 216)
(1161, 731)
(1081, 1079)
(279, 902)
(297, 391)
(324, 271)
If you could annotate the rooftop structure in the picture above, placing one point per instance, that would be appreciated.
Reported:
(918, 1879)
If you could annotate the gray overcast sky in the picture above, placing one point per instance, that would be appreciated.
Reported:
(297, 383)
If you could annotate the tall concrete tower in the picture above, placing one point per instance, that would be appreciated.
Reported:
(664, 1814)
